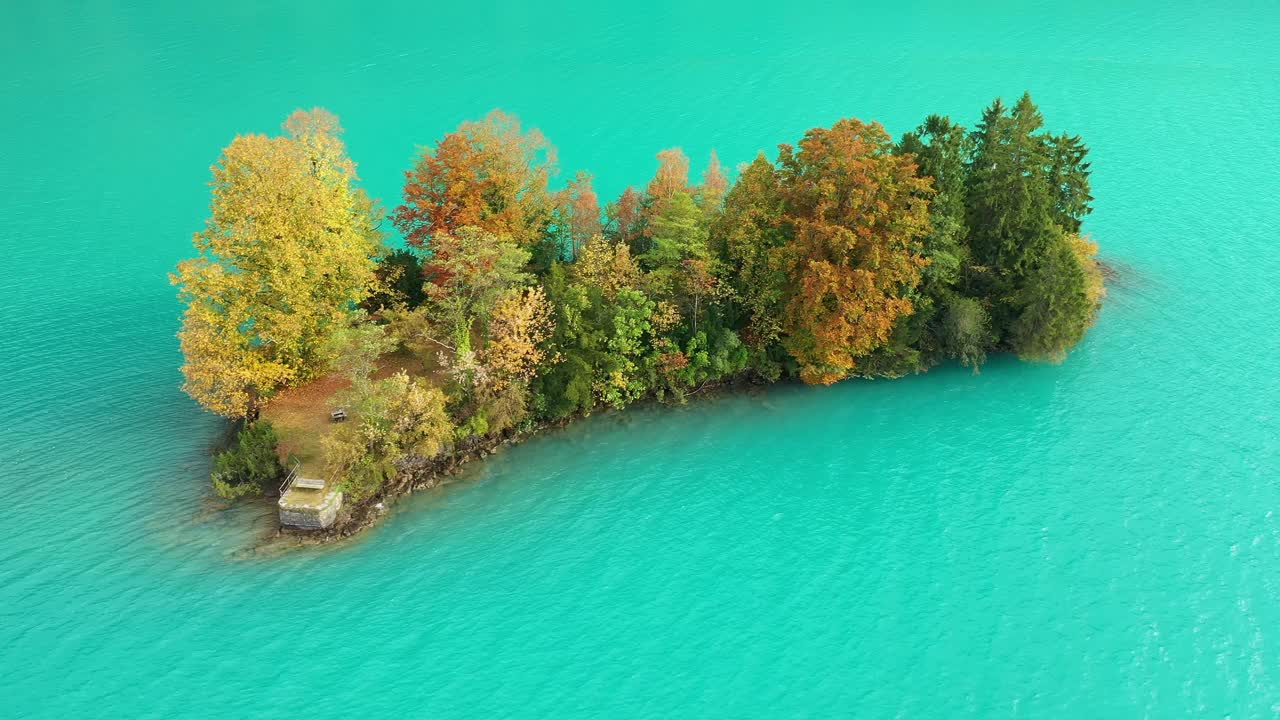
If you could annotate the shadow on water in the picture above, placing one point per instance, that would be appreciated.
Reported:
(1124, 277)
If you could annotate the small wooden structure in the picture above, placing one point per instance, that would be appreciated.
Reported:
(338, 414)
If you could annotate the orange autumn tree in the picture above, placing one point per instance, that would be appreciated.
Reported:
(856, 213)
(714, 187)
(672, 176)
(580, 210)
(624, 217)
(490, 175)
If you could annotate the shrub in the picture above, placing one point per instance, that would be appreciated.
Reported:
(965, 331)
(251, 466)
(394, 417)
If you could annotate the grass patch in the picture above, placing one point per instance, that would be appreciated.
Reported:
(301, 418)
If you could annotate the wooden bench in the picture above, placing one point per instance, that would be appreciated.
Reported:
(309, 484)
(338, 414)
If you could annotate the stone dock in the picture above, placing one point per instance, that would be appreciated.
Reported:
(308, 504)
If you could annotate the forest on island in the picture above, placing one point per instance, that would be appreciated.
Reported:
(846, 254)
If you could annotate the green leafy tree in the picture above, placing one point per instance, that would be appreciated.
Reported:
(963, 330)
(751, 237)
(399, 282)
(941, 151)
(1056, 304)
(563, 387)
(1069, 176)
(678, 234)
(392, 418)
(469, 271)
(671, 179)
(605, 328)
(357, 347)
(623, 376)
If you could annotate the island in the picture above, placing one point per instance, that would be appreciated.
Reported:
(359, 367)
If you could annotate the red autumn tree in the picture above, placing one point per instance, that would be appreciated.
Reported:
(856, 212)
(489, 174)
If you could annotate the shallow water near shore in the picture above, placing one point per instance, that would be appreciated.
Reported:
(1096, 539)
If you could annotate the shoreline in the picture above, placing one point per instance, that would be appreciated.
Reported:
(514, 308)
(418, 473)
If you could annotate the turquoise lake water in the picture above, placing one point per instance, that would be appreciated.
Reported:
(1097, 539)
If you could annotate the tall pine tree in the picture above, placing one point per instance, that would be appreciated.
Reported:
(1027, 193)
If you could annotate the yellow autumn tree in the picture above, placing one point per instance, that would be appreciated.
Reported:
(522, 323)
(287, 252)
(395, 417)
(607, 266)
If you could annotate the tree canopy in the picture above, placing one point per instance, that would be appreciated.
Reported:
(285, 255)
(511, 303)
(489, 174)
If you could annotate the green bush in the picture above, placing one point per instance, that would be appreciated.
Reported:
(399, 276)
(250, 467)
(965, 331)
